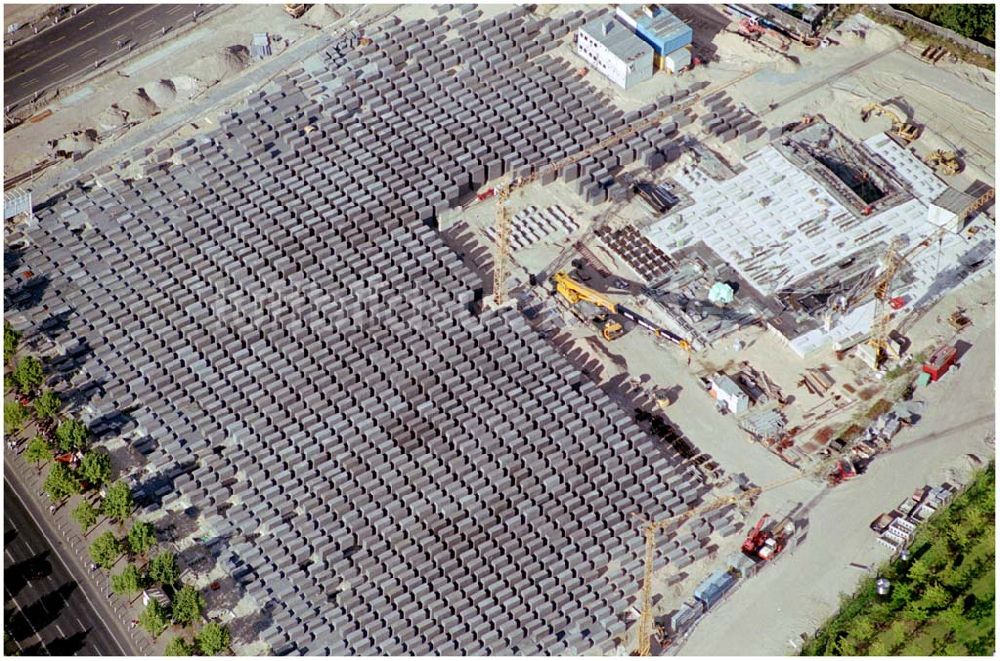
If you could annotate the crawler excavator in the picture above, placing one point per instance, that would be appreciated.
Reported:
(574, 292)
(900, 129)
(944, 161)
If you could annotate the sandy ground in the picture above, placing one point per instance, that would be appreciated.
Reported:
(768, 614)
(23, 14)
(955, 102)
(191, 63)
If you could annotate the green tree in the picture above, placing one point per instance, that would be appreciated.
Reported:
(47, 405)
(28, 374)
(11, 338)
(117, 504)
(106, 549)
(61, 482)
(72, 435)
(128, 582)
(141, 537)
(213, 639)
(15, 415)
(919, 572)
(163, 568)
(95, 467)
(154, 618)
(179, 647)
(878, 648)
(936, 597)
(86, 515)
(39, 451)
(188, 604)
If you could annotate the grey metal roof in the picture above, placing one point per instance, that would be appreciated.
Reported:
(617, 38)
(953, 200)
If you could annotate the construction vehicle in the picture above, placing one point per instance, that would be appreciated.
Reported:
(944, 161)
(844, 471)
(295, 11)
(900, 129)
(504, 190)
(652, 528)
(751, 28)
(574, 292)
(764, 544)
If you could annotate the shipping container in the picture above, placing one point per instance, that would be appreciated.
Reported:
(677, 60)
(940, 361)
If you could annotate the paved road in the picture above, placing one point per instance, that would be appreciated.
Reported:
(44, 607)
(74, 45)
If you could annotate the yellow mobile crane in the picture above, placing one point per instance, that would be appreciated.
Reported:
(574, 292)
(900, 129)
(503, 191)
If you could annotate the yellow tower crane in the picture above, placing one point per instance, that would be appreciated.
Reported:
(504, 190)
(881, 288)
(651, 528)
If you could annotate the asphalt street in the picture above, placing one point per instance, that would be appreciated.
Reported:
(79, 43)
(45, 609)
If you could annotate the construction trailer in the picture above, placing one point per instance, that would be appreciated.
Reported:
(940, 361)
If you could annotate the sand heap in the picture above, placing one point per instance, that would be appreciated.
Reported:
(112, 118)
(220, 65)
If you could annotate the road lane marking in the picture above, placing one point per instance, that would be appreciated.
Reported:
(88, 51)
(116, 26)
(30, 623)
(10, 555)
(85, 26)
(145, 24)
(83, 591)
(61, 632)
(115, 11)
(176, 9)
(57, 39)
(59, 68)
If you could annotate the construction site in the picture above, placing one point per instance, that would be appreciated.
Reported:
(445, 340)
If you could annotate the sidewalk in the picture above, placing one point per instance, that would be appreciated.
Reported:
(63, 534)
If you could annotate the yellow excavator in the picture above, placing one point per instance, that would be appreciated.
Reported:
(574, 292)
(900, 129)
(945, 161)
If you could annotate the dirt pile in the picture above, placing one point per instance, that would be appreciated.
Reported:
(221, 65)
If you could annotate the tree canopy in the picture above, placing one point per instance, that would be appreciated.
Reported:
(942, 599)
(141, 537)
(179, 647)
(117, 504)
(96, 467)
(47, 405)
(15, 415)
(106, 549)
(188, 605)
(38, 450)
(153, 618)
(969, 20)
(128, 582)
(85, 514)
(11, 338)
(28, 374)
(163, 568)
(61, 482)
(72, 435)
(213, 639)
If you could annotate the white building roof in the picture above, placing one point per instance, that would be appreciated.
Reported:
(617, 38)
(776, 224)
